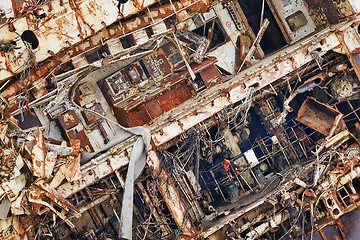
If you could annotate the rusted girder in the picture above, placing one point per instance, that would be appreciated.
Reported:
(172, 198)
(259, 76)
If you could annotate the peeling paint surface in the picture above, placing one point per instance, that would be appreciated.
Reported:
(188, 119)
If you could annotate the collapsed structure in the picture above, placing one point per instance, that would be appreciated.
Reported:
(190, 119)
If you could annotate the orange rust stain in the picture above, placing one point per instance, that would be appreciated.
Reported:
(92, 7)
(38, 163)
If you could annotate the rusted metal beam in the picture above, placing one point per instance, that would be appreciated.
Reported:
(349, 36)
(256, 42)
(74, 22)
(260, 75)
(165, 229)
(320, 117)
(172, 198)
(100, 167)
(209, 103)
(54, 59)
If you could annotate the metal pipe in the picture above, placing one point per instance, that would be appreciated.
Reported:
(265, 227)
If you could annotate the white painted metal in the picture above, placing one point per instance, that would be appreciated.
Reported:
(285, 8)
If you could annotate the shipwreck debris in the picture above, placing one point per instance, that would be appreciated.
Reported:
(179, 119)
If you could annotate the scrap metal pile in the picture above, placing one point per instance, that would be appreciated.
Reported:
(27, 162)
(190, 119)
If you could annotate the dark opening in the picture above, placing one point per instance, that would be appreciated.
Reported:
(127, 41)
(317, 81)
(67, 67)
(121, 2)
(142, 64)
(273, 38)
(99, 54)
(219, 35)
(356, 184)
(198, 82)
(30, 37)
(28, 121)
(344, 194)
(325, 9)
(39, 16)
(149, 31)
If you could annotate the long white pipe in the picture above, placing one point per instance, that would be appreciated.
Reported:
(265, 227)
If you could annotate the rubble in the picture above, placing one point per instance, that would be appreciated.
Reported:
(179, 119)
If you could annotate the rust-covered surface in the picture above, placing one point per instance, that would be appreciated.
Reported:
(319, 116)
(179, 119)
